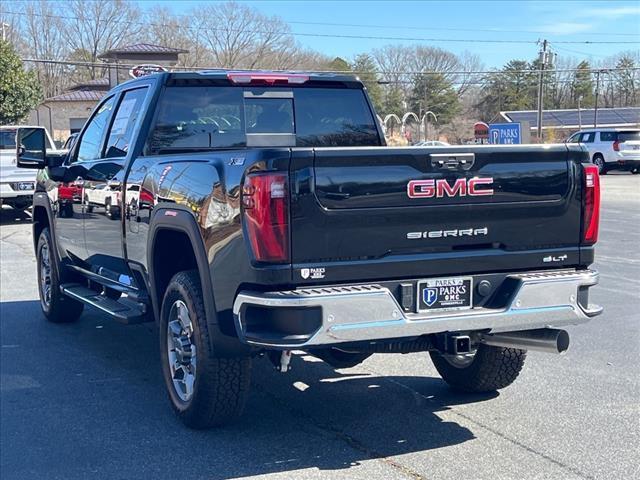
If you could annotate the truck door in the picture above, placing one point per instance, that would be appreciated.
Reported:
(103, 231)
(66, 192)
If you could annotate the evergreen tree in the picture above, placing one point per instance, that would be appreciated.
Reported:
(339, 65)
(365, 68)
(582, 86)
(434, 92)
(19, 89)
(393, 101)
(627, 82)
(509, 89)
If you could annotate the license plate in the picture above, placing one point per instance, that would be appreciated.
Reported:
(455, 293)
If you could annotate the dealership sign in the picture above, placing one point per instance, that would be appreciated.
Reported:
(481, 130)
(146, 69)
(505, 133)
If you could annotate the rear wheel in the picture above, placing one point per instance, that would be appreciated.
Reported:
(598, 160)
(205, 389)
(57, 308)
(488, 370)
(635, 171)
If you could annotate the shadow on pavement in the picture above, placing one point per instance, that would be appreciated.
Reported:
(10, 216)
(88, 398)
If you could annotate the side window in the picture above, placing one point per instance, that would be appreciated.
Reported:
(588, 137)
(573, 138)
(91, 142)
(124, 123)
(608, 136)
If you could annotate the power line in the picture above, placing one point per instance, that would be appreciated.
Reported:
(346, 36)
(448, 29)
(123, 66)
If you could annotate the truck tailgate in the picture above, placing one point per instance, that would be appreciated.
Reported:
(361, 214)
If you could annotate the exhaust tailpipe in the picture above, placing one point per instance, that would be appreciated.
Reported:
(549, 340)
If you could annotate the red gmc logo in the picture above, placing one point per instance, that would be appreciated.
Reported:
(473, 187)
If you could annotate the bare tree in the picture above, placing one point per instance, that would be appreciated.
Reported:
(43, 38)
(241, 37)
(11, 25)
(393, 62)
(178, 31)
(94, 27)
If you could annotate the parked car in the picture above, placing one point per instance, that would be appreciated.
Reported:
(611, 148)
(17, 185)
(296, 228)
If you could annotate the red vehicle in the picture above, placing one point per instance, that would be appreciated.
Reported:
(68, 194)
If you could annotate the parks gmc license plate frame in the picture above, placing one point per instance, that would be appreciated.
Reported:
(445, 294)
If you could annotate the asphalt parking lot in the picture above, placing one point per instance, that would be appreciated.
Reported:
(87, 400)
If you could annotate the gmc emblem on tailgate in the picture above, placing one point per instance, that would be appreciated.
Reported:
(473, 187)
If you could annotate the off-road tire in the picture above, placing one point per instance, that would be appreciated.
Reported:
(221, 384)
(598, 160)
(59, 308)
(491, 369)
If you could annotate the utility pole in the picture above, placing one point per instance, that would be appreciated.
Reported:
(595, 110)
(579, 113)
(543, 62)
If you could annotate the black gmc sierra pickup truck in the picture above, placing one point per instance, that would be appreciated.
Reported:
(259, 213)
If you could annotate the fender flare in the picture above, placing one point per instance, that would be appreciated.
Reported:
(41, 200)
(181, 219)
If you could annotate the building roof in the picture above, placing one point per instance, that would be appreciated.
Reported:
(78, 96)
(97, 84)
(139, 48)
(572, 118)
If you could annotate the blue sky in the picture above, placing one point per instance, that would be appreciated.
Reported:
(557, 21)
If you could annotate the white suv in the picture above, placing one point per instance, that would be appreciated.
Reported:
(611, 148)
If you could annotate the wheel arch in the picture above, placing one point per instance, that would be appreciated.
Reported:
(42, 217)
(175, 226)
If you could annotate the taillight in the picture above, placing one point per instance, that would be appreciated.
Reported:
(616, 146)
(591, 212)
(265, 203)
(266, 77)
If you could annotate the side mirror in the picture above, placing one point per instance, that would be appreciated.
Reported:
(31, 148)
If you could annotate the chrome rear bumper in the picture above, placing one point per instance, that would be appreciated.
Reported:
(371, 312)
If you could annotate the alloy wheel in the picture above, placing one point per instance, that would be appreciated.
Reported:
(45, 276)
(181, 350)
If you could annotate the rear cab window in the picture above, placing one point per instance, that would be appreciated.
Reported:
(196, 117)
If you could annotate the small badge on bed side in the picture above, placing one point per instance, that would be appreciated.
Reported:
(316, 273)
